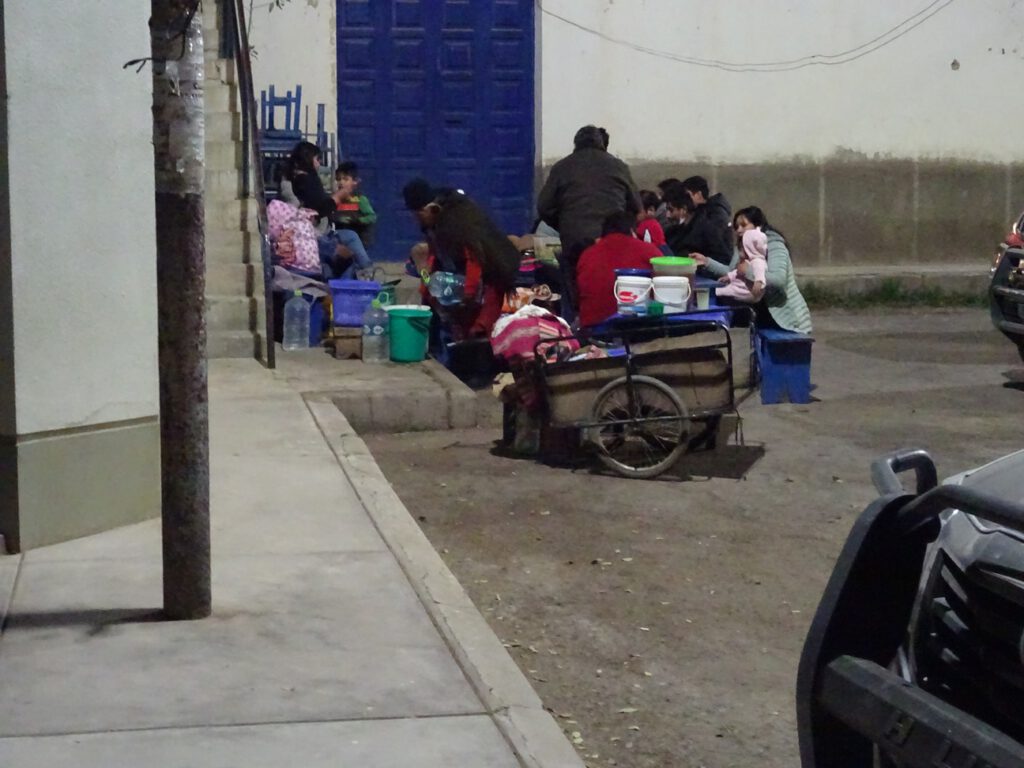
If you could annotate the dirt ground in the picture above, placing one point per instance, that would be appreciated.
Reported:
(661, 621)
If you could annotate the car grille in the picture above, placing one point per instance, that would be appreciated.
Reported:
(968, 646)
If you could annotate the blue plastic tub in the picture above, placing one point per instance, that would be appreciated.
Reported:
(351, 299)
(633, 273)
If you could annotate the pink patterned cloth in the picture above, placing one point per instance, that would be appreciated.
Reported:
(516, 336)
(293, 236)
(755, 254)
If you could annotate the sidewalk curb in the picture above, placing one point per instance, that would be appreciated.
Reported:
(509, 698)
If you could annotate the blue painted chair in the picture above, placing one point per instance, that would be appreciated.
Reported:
(277, 143)
(270, 103)
(784, 359)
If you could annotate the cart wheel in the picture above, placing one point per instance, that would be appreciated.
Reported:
(656, 435)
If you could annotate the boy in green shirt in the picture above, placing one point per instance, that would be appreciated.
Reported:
(353, 209)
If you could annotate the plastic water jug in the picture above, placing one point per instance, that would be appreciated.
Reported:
(448, 288)
(375, 334)
(296, 323)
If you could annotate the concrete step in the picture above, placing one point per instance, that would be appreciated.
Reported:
(211, 19)
(223, 126)
(226, 238)
(223, 155)
(232, 313)
(223, 185)
(235, 344)
(228, 256)
(231, 256)
(233, 214)
(232, 247)
(229, 279)
(221, 71)
(218, 97)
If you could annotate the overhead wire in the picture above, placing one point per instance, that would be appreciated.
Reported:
(878, 42)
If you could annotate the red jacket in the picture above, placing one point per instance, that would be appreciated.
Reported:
(595, 273)
(651, 225)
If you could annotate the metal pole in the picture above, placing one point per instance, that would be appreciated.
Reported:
(178, 133)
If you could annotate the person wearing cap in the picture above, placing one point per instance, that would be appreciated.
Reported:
(463, 240)
(581, 191)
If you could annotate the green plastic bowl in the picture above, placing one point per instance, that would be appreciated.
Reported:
(672, 266)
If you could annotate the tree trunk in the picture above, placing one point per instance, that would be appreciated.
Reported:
(178, 73)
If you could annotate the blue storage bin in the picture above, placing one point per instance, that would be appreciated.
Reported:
(351, 299)
(785, 361)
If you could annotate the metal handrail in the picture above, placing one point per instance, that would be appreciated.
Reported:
(234, 16)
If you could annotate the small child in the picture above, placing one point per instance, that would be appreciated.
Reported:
(353, 209)
(748, 288)
(648, 228)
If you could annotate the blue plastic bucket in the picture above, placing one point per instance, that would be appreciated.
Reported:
(351, 299)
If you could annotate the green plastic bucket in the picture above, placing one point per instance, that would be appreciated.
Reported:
(409, 328)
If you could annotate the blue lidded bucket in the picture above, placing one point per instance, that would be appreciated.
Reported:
(350, 300)
(633, 273)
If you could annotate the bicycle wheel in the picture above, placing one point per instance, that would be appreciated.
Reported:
(641, 426)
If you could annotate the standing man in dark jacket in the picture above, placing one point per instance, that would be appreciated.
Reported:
(580, 192)
(709, 230)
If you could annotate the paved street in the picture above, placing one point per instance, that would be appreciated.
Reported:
(661, 620)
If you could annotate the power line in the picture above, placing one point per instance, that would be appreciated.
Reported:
(826, 60)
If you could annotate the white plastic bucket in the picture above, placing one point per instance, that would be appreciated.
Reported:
(631, 294)
(673, 292)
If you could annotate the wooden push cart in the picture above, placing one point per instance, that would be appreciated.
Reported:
(664, 389)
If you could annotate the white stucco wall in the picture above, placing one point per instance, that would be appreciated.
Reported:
(295, 45)
(81, 213)
(904, 100)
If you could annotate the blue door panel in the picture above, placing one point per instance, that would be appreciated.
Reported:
(442, 89)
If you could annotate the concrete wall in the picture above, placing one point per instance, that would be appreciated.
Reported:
(901, 155)
(295, 45)
(81, 258)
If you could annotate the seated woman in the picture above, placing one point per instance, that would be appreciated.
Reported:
(617, 248)
(462, 240)
(782, 305)
(341, 250)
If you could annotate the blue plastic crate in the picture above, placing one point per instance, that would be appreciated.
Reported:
(350, 299)
(785, 361)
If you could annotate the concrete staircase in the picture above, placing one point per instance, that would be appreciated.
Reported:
(235, 310)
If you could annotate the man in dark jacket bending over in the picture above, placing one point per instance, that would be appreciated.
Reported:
(581, 191)
(709, 229)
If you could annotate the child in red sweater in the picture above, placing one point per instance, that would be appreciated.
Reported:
(647, 227)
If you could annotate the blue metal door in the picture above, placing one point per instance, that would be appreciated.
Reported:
(442, 89)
